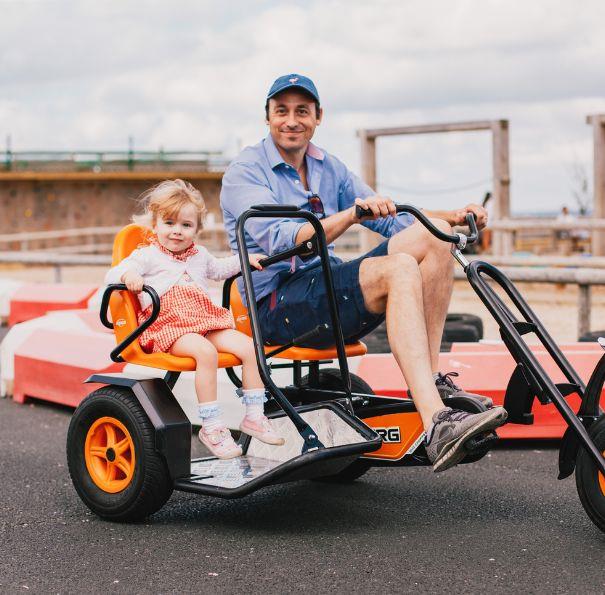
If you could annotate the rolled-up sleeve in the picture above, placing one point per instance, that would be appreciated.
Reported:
(353, 187)
(245, 185)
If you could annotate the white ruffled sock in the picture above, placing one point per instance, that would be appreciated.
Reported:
(254, 400)
(211, 416)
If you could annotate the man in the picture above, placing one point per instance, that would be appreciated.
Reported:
(408, 278)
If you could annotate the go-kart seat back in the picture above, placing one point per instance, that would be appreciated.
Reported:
(242, 324)
(125, 307)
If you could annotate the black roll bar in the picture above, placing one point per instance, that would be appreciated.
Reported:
(319, 245)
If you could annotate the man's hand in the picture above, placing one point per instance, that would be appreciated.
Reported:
(458, 217)
(255, 260)
(381, 206)
(133, 281)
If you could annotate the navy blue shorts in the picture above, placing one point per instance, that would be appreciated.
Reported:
(300, 304)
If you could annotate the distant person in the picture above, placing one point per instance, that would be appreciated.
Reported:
(189, 324)
(408, 278)
(565, 217)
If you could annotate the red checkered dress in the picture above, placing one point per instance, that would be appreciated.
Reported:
(183, 309)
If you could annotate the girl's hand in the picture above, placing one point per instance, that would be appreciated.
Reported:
(133, 281)
(255, 260)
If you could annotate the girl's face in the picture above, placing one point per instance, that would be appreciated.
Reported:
(177, 233)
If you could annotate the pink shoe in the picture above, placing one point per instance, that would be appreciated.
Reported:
(261, 429)
(220, 443)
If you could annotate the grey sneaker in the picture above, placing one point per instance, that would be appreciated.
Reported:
(447, 388)
(452, 428)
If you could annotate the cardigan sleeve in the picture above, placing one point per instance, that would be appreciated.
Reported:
(137, 261)
(219, 269)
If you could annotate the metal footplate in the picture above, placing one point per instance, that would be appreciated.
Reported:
(344, 438)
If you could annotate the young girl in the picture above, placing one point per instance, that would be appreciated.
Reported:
(189, 324)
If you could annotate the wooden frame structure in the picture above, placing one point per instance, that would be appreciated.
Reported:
(598, 131)
(500, 164)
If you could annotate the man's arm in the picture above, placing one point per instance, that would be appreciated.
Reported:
(334, 226)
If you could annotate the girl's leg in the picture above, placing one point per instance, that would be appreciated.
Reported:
(254, 423)
(206, 363)
(214, 433)
(240, 345)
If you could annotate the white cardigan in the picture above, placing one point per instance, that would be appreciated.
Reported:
(161, 271)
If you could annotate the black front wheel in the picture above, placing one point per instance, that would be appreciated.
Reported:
(111, 457)
(589, 481)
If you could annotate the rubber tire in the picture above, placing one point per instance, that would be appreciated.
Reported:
(151, 485)
(592, 336)
(460, 333)
(331, 379)
(464, 318)
(587, 477)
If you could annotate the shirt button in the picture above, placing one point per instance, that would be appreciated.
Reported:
(297, 181)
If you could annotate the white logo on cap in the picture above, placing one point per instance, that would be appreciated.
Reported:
(294, 80)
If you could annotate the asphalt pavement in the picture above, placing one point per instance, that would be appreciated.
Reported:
(502, 525)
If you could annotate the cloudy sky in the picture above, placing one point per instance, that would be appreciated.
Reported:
(193, 75)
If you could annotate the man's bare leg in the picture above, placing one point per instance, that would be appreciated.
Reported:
(436, 268)
(393, 284)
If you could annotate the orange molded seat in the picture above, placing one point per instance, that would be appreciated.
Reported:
(125, 307)
(242, 324)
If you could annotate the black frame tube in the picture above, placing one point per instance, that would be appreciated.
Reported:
(522, 354)
(322, 249)
(446, 237)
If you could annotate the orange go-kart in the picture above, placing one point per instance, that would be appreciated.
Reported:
(129, 442)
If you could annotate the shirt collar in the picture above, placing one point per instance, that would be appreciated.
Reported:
(182, 257)
(276, 159)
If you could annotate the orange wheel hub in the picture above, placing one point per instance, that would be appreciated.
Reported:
(109, 454)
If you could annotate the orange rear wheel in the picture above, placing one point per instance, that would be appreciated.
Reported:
(110, 455)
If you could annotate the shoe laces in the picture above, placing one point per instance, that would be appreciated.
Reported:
(446, 379)
(451, 415)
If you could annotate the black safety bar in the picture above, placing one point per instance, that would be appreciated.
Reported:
(155, 302)
(446, 237)
(512, 331)
(318, 245)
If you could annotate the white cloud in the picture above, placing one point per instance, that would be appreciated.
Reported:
(193, 75)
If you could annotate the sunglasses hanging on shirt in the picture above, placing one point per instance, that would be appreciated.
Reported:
(316, 206)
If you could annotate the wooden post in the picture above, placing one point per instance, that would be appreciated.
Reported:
(368, 239)
(598, 128)
(583, 309)
(502, 244)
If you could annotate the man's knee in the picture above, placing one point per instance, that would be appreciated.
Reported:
(400, 267)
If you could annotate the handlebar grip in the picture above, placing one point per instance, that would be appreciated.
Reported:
(361, 212)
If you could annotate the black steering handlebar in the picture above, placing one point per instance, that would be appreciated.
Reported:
(458, 239)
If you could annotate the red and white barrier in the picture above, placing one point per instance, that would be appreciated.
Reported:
(36, 299)
(486, 369)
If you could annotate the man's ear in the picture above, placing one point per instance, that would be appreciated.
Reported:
(320, 115)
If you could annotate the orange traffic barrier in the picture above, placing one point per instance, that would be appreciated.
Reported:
(52, 364)
(36, 299)
(486, 370)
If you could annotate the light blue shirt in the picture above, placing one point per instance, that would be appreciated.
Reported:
(259, 175)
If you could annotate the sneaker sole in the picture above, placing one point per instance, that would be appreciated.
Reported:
(258, 436)
(454, 452)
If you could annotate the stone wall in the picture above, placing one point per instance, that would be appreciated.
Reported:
(37, 201)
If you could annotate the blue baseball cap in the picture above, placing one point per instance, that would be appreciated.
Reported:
(293, 81)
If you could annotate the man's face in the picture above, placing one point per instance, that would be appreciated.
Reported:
(292, 120)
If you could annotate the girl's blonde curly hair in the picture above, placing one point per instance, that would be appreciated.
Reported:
(166, 199)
